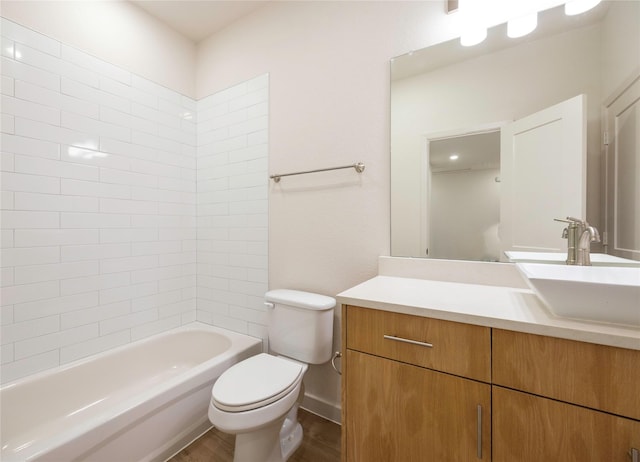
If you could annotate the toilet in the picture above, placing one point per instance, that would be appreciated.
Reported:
(257, 399)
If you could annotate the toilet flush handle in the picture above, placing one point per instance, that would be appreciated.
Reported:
(336, 355)
(269, 305)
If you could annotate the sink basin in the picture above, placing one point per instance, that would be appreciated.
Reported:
(594, 293)
(597, 259)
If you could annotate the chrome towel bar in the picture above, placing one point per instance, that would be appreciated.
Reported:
(359, 167)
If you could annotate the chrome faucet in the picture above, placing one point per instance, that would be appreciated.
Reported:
(579, 235)
(572, 234)
(589, 235)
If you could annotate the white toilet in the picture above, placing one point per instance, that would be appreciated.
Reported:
(257, 399)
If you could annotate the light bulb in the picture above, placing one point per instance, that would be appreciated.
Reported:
(522, 26)
(473, 36)
(579, 6)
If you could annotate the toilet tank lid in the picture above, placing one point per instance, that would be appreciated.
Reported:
(300, 299)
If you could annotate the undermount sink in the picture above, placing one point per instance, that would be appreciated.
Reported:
(594, 293)
(597, 259)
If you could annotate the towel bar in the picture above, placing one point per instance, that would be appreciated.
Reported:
(359, 167)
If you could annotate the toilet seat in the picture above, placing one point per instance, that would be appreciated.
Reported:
(255, 382)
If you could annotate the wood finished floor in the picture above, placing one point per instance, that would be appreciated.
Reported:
(321, 443)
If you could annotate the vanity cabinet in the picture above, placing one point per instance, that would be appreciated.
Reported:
(530, 428)
(414, 390)
(421, 389)
(557, 399)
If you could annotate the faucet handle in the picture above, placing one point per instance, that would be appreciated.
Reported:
(571, 220)
(578, 220)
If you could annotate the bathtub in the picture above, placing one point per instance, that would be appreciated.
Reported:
(140, 402)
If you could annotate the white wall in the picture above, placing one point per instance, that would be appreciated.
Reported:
(98, 204)
(465, 211)
(117, 32)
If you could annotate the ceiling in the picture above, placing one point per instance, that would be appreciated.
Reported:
(198, 19)
(476, 151)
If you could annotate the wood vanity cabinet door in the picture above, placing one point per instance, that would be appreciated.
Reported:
(528, 428)
(595, 376)
(396, 412)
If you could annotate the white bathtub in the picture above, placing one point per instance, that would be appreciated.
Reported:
(140, 402)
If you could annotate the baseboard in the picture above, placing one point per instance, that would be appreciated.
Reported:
(318, 406)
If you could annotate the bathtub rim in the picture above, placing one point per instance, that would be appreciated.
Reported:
(194, 325)
(136, 406)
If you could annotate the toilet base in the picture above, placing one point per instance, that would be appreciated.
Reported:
(291, 433)
(259, 445)
(269, 444)
(275, 442)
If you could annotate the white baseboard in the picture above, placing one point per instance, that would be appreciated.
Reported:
(329, 411)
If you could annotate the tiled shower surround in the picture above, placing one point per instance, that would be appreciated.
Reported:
(127, 208)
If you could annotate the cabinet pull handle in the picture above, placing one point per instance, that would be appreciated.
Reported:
(479, 450)
(634, 454)
(406, 340)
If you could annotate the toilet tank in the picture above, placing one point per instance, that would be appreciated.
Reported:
(300, 325)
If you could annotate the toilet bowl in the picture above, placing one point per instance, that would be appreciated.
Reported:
(257, 399)
(254, 392)
(252, 400)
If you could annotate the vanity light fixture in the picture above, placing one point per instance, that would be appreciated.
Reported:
(521, 16)
(473, 19)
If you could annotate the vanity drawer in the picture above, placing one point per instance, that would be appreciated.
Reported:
(596, 376)
(456, 348)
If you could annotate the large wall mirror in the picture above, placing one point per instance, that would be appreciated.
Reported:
(490, 143)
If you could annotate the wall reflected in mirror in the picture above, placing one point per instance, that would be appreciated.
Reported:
(449, 91)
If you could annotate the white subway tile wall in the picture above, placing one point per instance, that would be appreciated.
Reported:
(232, 184)
(123, 214)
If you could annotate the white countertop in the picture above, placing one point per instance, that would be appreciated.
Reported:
(510, 308)
(597, 259)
